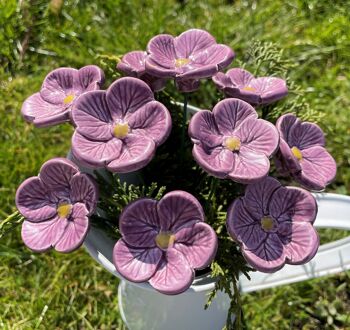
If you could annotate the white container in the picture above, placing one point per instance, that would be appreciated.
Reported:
(143, 308)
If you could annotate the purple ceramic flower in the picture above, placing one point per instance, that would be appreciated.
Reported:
(302, 153)
(59, 91)
(133, 64)
(273, 225)
(119, 128)
(231, 142)
(191, 56)
(242, 84)
(56, 205)
(163, 242)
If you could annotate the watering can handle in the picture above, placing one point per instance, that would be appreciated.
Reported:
(331, 258)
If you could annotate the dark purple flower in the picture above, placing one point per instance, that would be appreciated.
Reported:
(243, 85)
(133, 64)
(302, 153)
(231, 142)
(163, 242)
(56, 205)
(58, 93)
(191, 56)
(119, 128)
(273, 225)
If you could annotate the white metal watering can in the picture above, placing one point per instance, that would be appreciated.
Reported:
(143, 308)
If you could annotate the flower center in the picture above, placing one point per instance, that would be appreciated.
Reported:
(297, 153)
(267, 223)
(232, 143)
(179, 62)
(165, 239)
(121, 130)
(68, 99)
(64, 210)
(249, 89)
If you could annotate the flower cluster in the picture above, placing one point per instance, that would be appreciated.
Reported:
(163, 242)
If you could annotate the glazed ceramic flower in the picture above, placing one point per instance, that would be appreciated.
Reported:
(191, 56)
(119, 128)
(133, 64)
(302, 153)
(243, 85)
(231, 142)
(58, 93)
(163, 242)
(274, 225)
(56, 205)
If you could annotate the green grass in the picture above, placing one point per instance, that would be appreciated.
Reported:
(53, 291)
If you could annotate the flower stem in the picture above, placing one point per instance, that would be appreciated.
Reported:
(184, 120)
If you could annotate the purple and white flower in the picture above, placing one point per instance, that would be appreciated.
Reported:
(302, 153)
(243, 85)
(274, 225)
(231, 142)
(56, 205)
(59, 91)
(164, 242)
(120, 128)
(191, 56)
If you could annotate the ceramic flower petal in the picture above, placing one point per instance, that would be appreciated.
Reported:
(152, 120)
(249, 166)
(75, 230)
(33, 200)
(293, 203)
(133, 64)
(197, 243)
(218, 162)
(59, 91)
(83, 189)
(318, 168)
(303, 244)
(95, 153)
(177, 209)
(136, 152)
(230, 113)
(192, 42)
(139, 223)
(88, 78)
(242, 84)
(174, 274)
(126, 95)
(273, 225)
(42, 113)
(42, 236)
(136, 264)
(268, 257)
(244, 227)
(92, 117)
(302, 153)
(57, 173)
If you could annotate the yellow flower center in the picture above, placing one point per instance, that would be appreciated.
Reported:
(68, 99)
(267, 223)
(297, 153)
(64, 210)
(232, 143)
(179, 62)
(249, 89)
(165, 240)
(121, 130)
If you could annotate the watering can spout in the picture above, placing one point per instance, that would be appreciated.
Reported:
(331, 258)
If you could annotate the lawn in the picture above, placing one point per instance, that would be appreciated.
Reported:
(54, 291)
